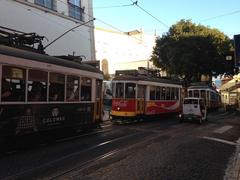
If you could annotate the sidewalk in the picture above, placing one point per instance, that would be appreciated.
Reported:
(234, 173)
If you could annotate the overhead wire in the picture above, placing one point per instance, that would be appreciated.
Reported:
(117, 6)
(157, 19)
(90, 16)
(117, 29)
(219, 16)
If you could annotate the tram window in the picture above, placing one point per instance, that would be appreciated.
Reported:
(152, 93)
(119, 90)
(190, 94)
(141, 91)
(163, 93)
(130, 90)
(176, 97)
(13, 83)
(72, 88)
(113, 89)
(56, 87)
(196, 93)
(99, 88)
(203, 94)
(168, 94)
(158, 92)
(37, 85)
(172, 92)
(86, 89)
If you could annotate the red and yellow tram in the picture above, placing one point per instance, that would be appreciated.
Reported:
(140, 96)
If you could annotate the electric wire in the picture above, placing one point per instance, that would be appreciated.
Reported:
(113, 27)
(161, 22)
(117, 6)
(222, 15)
(90, 16)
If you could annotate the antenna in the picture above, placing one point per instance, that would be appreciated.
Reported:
(67, 32)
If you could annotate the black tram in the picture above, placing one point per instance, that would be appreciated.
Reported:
(40, 93)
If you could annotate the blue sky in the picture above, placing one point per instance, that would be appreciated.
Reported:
(221, 14)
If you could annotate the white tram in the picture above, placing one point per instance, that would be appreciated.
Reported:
(40, 93)
(211, 96)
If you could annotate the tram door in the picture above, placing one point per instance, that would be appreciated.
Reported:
(140, 99)
(98, 102)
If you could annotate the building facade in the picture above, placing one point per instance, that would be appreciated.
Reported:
(123, 51)
(230, 92)
(52, 18)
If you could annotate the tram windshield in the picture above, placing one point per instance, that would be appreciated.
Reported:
(130, 90)
(119, 90)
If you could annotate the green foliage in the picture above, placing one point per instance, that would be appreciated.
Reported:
(189, 51)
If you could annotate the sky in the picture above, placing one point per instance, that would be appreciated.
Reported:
(223, 15)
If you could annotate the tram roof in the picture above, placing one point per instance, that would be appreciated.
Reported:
(28, 55)
(145, 78)
(201, 87)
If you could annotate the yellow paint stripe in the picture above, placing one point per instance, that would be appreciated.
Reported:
(120, 113)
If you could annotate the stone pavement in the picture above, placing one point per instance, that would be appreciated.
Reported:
(234, 172)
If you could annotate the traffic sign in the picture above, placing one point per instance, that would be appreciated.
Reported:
(237, 50)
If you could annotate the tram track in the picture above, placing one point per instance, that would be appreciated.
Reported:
(155, 137)
(104, 129)
(135, 134)
(30, 173)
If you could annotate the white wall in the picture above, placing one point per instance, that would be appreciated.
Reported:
(123, 51)
(20, 16)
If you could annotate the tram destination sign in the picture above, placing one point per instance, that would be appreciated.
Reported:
(237, 50)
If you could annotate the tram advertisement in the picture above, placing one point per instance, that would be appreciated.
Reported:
(41, 117)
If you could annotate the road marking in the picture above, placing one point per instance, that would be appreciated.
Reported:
(104, 126)
(223, 129)
(219, 140)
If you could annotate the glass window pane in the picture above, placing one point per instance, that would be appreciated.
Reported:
(13, 83)
(119, 90)
(75, 10)
(56, 87)
(203, 94)
(99, 88)
(37, 85)
(177, 94)
(86, 89)
(45, 3)
(152, 93)
(196, 93)
(163, 93)
(158, 92)
(141, 91)
(72, 88)
(130, 90)
(190, 94)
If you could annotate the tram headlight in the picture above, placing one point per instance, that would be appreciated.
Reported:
(118, 108)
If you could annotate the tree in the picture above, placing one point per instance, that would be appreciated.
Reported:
(188, 51)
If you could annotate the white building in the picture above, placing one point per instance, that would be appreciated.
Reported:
(52, 18)
(230, 92)
(123, 51)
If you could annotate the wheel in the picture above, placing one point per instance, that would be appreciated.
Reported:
(181, 119)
